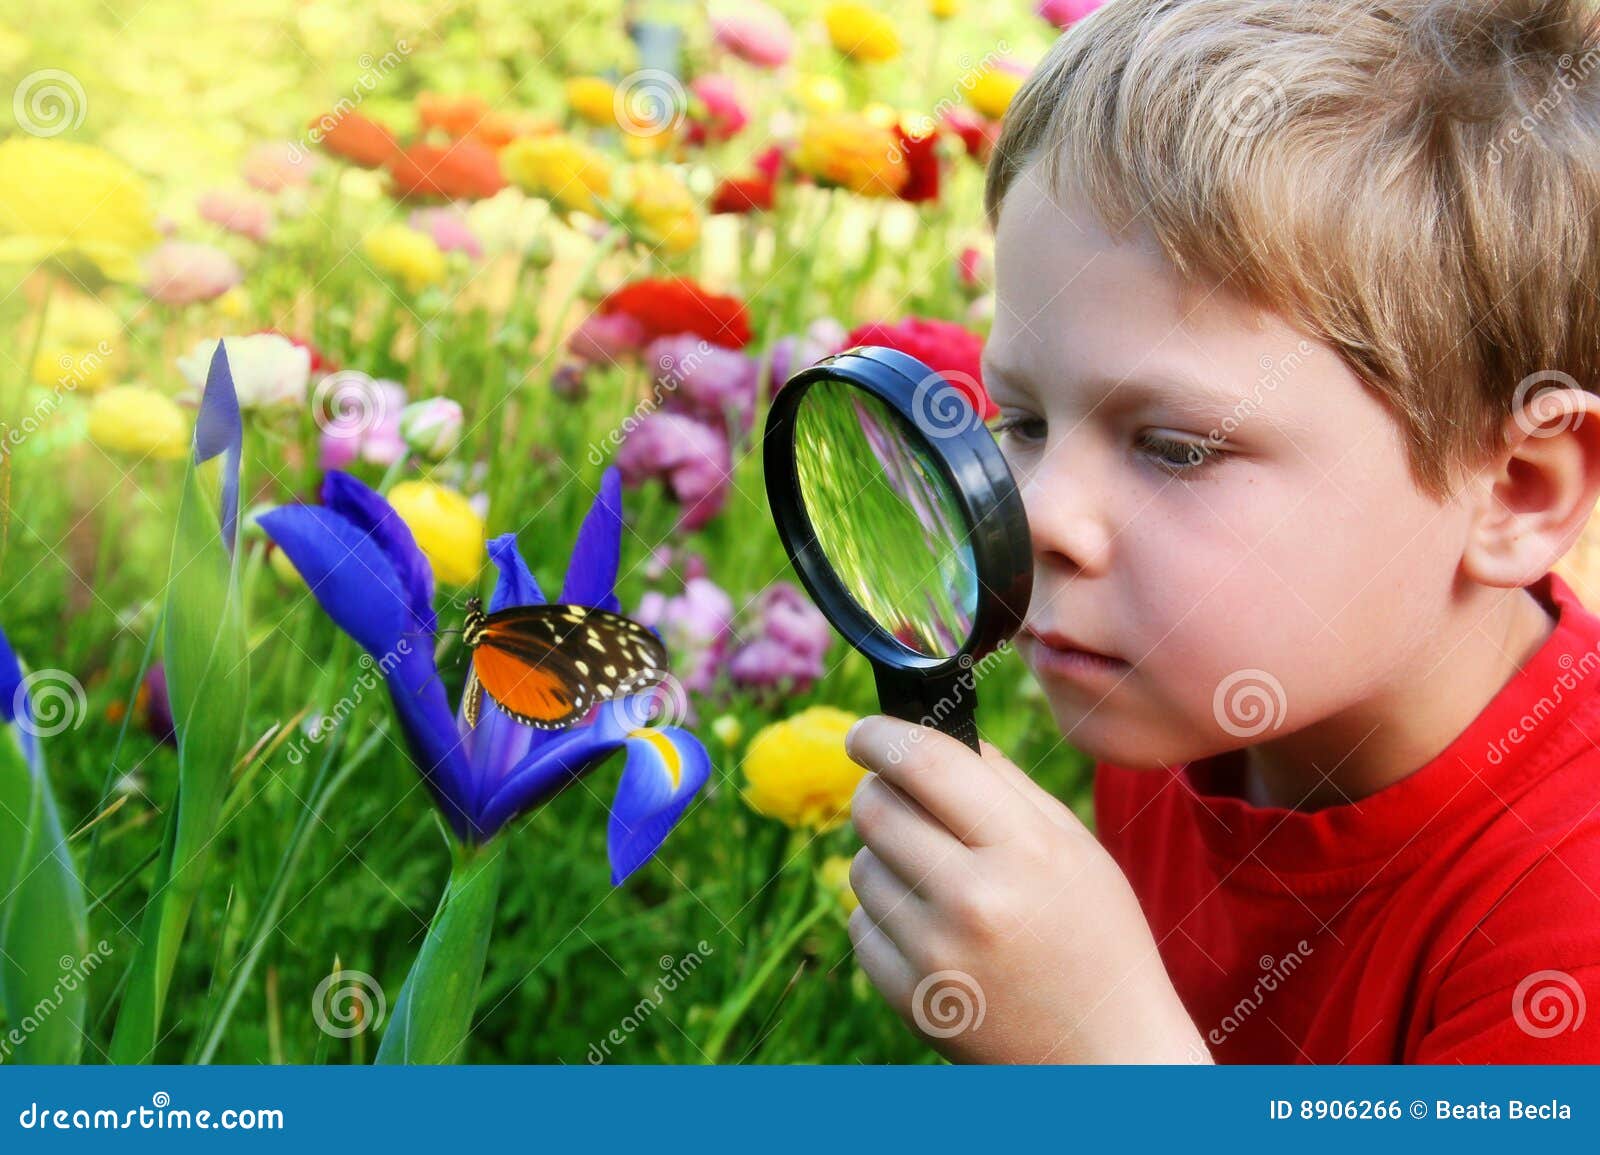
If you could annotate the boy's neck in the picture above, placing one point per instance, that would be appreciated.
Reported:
(1419, 712)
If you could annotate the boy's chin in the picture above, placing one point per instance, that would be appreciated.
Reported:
(1130, 744)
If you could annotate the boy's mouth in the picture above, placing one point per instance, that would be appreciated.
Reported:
(1056, 655)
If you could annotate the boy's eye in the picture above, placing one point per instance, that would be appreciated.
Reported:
(1177, 454)
(1019, 426)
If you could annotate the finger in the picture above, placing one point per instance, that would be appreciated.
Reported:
(952, 782)
(888, 901)
(882, 961)
(1047, 803)
(909, 840)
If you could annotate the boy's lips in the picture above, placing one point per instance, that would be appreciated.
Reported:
(1058, 655)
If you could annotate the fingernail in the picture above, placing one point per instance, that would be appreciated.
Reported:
(850, 737)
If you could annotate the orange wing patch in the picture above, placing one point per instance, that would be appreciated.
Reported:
(531, 694)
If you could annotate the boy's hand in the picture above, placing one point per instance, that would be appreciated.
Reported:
(992, 920)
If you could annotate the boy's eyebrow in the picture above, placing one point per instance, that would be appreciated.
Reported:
(1187, 395)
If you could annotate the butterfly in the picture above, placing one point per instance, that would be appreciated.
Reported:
(546, 665)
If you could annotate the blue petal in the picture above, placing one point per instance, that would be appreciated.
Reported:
(436, 749)
(14, 700)
(665, 768)
(366, 509)
(219, 429)
(542, 774)
(592, 573)
(517, 585)
(347, 572)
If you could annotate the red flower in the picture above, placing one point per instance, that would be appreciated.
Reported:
(355, 138)
(749, 194)
(922, 164)
(665, 306)
(976, 133)
(463, 170)
(455, 116)
(942, 346)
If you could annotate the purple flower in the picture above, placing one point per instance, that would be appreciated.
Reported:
(690, 457)
(158, 706)
(15, 706)
(365, 569)
(363, 420)
(704, 380)
(696, 625)
(791, 642)
(792, 354)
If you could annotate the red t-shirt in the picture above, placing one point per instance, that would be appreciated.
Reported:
(1451, 917)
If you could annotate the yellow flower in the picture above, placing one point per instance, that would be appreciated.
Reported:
(133, 419)
(860, 32)
(992, 90)
(592, 98)
(834, 874)
(560, 169)
(819, 94)
(665, 211)
(233, 304)
(407, 255)
(728, 730)
(850, 151)
(72, 367)
(943, 9)
(446, 527)
(63, 200)
(797, 770)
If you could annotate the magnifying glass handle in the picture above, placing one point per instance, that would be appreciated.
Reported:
(945, 704)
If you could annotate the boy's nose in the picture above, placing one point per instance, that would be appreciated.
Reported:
(1069, 538)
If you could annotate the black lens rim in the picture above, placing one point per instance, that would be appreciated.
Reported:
(974, 468)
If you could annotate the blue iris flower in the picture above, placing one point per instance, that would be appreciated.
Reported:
(363, 565)
(15, 708)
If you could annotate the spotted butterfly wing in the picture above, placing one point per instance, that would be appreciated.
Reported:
(547, 665)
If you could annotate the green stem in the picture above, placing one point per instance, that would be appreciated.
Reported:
(740, 1003)
(433, 1016)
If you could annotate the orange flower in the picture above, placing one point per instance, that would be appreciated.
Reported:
(455, 116)
(850, 151)
(355, 138)
(464, 170)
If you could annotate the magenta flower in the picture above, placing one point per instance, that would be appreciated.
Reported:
(607, 338)
(790, 645)
(363, 421)
(704, 380)
(1065, 13)
(240, 213)
(692, 459)
(724, 116)
(792, 354)
(184, 272)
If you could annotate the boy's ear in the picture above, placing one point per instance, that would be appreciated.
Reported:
(1536, 494)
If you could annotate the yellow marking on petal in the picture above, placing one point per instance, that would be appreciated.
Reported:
(664, 747)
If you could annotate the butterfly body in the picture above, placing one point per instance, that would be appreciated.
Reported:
(546, 665)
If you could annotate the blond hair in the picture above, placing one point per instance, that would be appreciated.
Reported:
(1414, 182)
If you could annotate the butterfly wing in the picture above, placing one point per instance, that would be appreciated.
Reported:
(547, 665)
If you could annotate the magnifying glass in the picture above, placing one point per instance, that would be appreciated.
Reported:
(899, 513)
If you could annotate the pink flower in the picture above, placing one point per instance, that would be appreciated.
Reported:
(756, 33)
(449, 229)
(975, 268)
(362, 422)
(724, 114)
(690, 457)
(1065, 13)
(183, 272)
(704, 380)
(241, 213)
(607, 337)
(791, 644)
(277, 165)
(696, 625)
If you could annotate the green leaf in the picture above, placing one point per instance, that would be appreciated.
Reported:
(208, 680)
(433, 1017)
(43, 923)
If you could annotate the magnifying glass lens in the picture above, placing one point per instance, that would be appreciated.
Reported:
(885, 517)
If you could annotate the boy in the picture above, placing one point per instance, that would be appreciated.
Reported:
(1297, 322)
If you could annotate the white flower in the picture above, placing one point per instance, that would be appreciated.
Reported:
(268, 369)
(431, 427)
